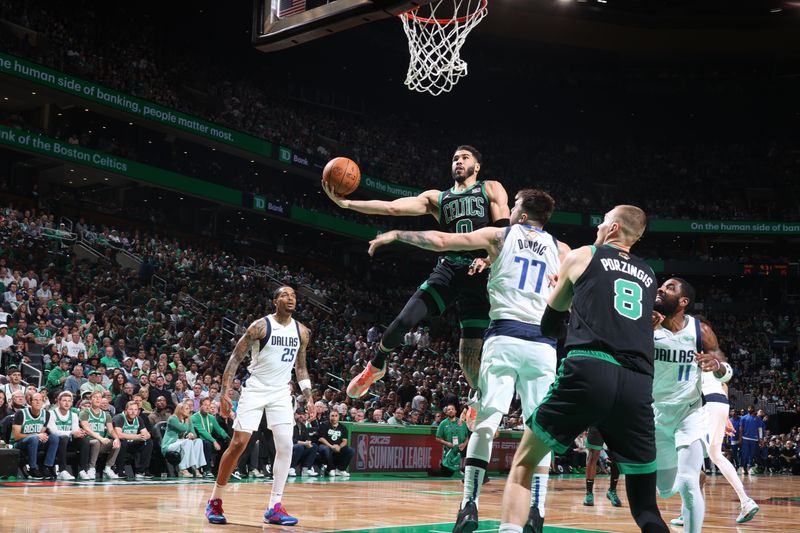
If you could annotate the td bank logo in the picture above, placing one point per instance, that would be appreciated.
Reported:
(284, 155)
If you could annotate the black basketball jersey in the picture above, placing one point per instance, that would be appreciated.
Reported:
(463, 212)
(612, 309)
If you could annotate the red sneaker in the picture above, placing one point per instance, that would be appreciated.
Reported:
(362, 382)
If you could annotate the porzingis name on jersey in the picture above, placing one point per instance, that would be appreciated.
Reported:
(464, 206)
(666, 355)
(284, 342)
(609, 263)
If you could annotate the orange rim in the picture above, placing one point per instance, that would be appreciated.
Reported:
(411, 14)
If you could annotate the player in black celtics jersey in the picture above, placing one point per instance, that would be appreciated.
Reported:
(469, 205)
(606, 380)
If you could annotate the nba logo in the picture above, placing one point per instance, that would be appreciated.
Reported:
(361, 453)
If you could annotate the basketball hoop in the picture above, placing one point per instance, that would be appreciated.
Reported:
(436, 32)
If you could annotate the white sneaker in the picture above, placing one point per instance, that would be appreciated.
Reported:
(310, 472)
(677, 521)
(292, 472)
(64, 475)
(107, 472)
(332, 472)
(257, 473)
(749, 510)
(343, 473)
(92, 473)
(83, 474)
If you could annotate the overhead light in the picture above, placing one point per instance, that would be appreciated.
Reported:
(86, 109)
(5, 98)
(106, 179)
(130, 123)
(33, 92)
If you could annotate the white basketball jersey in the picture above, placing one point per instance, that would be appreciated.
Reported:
(518, 285)
(712, 385)
(676, 378)
(272, 360)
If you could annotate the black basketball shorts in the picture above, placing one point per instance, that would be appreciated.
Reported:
(593, 389)
(450, 284)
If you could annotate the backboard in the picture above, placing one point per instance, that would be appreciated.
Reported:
(279, 24)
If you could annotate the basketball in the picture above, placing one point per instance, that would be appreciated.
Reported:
(342, 175)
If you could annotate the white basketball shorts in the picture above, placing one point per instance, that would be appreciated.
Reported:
(256, 401)
(509, 363)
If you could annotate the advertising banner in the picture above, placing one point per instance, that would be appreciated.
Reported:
(395, 452)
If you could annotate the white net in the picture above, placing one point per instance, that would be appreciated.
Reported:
(436, 32)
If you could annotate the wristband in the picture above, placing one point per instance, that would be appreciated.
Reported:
(727, 375)
(305, 384)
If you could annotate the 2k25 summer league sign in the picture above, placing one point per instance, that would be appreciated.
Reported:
(396, 452)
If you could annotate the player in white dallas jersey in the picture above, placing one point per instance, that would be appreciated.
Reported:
(515, 354)
(276, 344)
(682, 342)
(717, 409)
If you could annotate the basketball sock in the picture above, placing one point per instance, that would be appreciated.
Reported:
(282, 435)
(589, 485)
(380, 356)
(473, 480)
(218, 491)
(641, 491)
(509, 528)
(614, 476)
(479, 451)
(539, 491)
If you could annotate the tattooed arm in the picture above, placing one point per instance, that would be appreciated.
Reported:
(254, 333)
(301, 371)
(490, 239)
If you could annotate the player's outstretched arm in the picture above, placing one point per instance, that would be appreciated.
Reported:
(301, 371)
(489, 239)
(254, 332)
(426, 203)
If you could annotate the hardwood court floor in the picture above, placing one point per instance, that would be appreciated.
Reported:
(382, 503)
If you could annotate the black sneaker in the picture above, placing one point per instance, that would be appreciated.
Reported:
(50, 472)
(467, 520)
(35, 473)
(535, 523)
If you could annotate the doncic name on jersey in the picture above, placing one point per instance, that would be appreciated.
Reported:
(627, 268)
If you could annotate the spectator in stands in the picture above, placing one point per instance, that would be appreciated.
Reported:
(398, 419)
(180, 436)
(159, 389)
(117, 385)
(29, 432)
(214, 438)
(64, 423)
(14, 382)
(305, 450)
(75, 345)
(136, 445)
(93, 384)
(790, 463)
(322, 411)
(197, 394)
(101, 436)
(75, 380)
(377, 417)
(333, 448)
(142, 400)
(109, 359)
(18, 402)
(3, 405)
(127, 396)
(452, 434)
(6, 345)
(181, 393)
(58, 376)
(161, 413)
